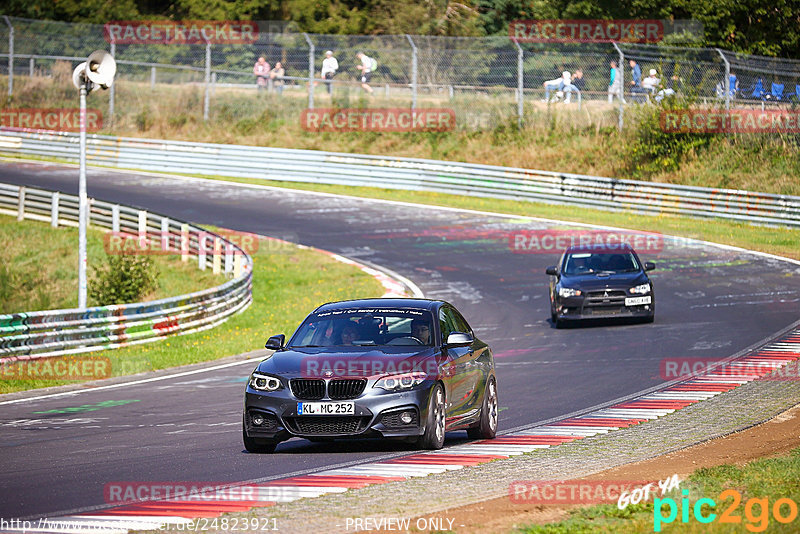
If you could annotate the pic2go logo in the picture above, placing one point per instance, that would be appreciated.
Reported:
(756, 511)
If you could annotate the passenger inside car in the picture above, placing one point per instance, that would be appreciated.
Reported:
(348, 334)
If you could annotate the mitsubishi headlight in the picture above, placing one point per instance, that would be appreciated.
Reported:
(264, 382)
(566, 292)
(640, 290)
(400, 382)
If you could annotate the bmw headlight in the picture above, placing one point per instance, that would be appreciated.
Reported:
(400, 382)
(264, 382)
(640, 290)
(566, 292)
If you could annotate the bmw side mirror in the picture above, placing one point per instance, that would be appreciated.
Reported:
(552, 271)
(649, 266)
(275, 342)
(458, 339)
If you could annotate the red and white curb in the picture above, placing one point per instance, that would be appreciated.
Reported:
(156, 514)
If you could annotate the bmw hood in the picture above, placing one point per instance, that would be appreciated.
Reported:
(363, 362)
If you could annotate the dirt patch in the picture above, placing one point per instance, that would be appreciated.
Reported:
(775, 437)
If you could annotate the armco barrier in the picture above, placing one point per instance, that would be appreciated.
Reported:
(414, 174)
(56, 332)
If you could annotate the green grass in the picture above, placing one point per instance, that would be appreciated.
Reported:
(288, 282)
(770, 479)
(39, 267)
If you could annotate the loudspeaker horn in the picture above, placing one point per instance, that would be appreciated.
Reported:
(101, 68)
(78, 75)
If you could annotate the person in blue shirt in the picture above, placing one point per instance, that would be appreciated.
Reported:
(636, 77)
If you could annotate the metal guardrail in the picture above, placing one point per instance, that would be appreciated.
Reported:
(59, 332)
(411, 174)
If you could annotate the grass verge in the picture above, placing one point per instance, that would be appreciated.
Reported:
(557, 137)
(288, 282)
(765, 481)
(39, 267)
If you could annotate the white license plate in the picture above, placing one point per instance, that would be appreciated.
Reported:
(637, 301)
(326, 408)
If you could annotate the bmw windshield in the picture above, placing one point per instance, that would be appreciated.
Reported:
(365, 327)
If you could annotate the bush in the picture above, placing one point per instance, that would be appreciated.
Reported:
(653, 150)
(123, 279)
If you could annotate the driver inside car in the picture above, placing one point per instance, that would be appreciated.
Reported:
(421, 330)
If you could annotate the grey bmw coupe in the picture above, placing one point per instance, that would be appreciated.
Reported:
(392, 368)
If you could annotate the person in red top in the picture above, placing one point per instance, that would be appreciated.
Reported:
(261, 71)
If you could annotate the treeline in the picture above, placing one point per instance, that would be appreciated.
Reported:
(766, 27)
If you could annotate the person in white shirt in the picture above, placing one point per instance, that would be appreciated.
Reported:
(329, 68)
(366, 71)
(650, 83)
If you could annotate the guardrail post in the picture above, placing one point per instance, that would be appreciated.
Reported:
(414, 74)
(112, 93)
(31, 64)
(228, 257)
(238, 264)
(621, 74)
(520, 84)
(185, 242)
(54, 198)
(201, 250)
(115, 218)
(10, 55)
(310, 71)
(21, 204)
(152, 77)
(727, 78)
(217, 260)
(207, 81)
(142, 229)
(165, 234)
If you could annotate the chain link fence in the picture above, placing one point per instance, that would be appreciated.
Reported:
(485, 81)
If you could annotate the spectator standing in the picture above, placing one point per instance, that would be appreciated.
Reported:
(276, 75)
(636, 77)
(366, 70)
(614, 83)
(329, 68)
(261, 71)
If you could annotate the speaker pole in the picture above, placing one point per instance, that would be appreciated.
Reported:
(83, 205)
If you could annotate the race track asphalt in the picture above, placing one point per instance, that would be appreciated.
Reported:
(711, 303)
